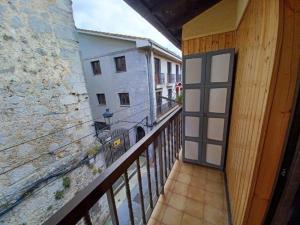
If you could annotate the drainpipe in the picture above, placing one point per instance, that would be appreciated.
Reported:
(150, 83)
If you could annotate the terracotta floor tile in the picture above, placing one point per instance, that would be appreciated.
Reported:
(198, 181)
(169, 185)
(190, 220)
(153, 222)
(158, 211)
(188, 169)
(184, 178)
(164, 198)
(180, 188)
(214, 187)
(194, 208)
(215, 175)
(215, 200)
(177, 201)
(196, 193)
(214, 215)
(172, 216)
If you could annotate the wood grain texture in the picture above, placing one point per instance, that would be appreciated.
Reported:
(268, 46)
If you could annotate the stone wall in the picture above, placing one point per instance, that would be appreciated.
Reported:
(42, 89)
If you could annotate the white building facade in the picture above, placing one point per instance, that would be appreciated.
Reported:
(127, 75)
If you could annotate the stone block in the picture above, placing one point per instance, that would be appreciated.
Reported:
(16, 22)
(20, 173)
(65, 32)
(25, 150)
(39, 25)
(69, 99)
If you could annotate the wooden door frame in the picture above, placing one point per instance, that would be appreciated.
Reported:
(288, 180)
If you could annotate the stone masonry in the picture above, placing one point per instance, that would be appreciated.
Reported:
(42, 89)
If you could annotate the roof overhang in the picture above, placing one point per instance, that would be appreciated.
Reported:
(168, 16)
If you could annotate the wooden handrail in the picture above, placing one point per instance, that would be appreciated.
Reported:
(79, 206)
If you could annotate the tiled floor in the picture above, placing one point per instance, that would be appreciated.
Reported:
(194, 195)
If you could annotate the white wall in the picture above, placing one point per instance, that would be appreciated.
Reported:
(134, 81)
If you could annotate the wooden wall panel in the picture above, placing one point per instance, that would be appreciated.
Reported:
(266, 74)
(209, 43)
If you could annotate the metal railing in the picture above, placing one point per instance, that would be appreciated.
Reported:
(164, 108)
(171, 78)
(178, 78)
(166, 140)
(159, 78)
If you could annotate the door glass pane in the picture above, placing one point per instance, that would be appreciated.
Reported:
(191, 150)
(193, 71)
(215, 128)
(192, 100)
(217, 100)
(214, 154)
(192, 125)
(220, 68)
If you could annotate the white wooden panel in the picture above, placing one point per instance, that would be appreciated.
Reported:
(192, 125)
(191, 150)
(220, 68)
(217, 100)
(214, 154)
(215, 128)
(193, 71)
(192, 100)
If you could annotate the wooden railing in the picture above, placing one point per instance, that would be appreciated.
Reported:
(164, 141)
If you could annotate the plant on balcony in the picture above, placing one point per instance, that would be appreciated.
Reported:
(66, 182)
(179, 99)
(59, 194)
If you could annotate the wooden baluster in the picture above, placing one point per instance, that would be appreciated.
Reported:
(165, 154)
(160, 161)
(171, 140)
(141, 190)
(112, 206)
(149, 178)
(175, 138)
(169, 155)
(128, 198)
(87, 219)
(155, 170)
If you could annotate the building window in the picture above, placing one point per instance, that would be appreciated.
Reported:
(120, 64)
(177, 70)
(101, 99)
(157, 66)
(169, 68)
(96, 67)
(124, 98)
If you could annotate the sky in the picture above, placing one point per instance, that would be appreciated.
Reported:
(115, 16)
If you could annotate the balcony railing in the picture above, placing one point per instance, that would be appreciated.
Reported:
(171, 78)
(159, 79)
(164, 108)
(178, 78)
(164, 141)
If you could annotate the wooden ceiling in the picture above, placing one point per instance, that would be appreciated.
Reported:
(168, 16)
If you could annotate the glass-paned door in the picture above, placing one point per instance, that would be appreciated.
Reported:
(207, 95)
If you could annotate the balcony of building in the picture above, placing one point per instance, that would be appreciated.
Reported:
(171, 79)
(159, 80)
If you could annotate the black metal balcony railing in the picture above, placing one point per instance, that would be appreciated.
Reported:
(159, 78)
(178, 78)
(171, 78)
(164, 108)
(165, 139)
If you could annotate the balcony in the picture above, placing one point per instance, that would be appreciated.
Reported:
(164, 190)
(171, 79)
(178, 78)
(159, 80)
(162, 109)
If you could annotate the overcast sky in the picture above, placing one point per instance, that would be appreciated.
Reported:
(116, 16)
